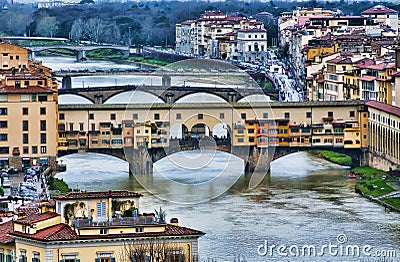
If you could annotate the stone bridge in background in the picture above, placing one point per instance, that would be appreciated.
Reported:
(80, 51)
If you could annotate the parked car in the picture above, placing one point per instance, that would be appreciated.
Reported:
(6, 182)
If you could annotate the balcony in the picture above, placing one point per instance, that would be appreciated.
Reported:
(123, 221)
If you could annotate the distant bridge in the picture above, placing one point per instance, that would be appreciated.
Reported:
(79, 50)
(32, 38)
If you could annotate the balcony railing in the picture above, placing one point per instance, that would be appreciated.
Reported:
(124, 221)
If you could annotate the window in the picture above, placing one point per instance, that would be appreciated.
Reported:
(105, 142)
(3, 111)
(43, 138)
(3, 98)
(308, 114)
(25, 125)
(251, 131)
(34, 149)
(243, 115)
(4, 150)
(240, 131)
(42, 110)
(25, 149)
(25, 97)
(352, 114)
(265, 115)
(221, 116)
(91, 116)
(17, 57)
(251, 139)
(139, 229)
(330, 114)
(33, 97)
(25, 139)
(42, 98)
(26, 83)
(25, 111)
(199, 116)
(93, 127)
(40, 83)
(22, 255)
(36, 257)
(3, 137)
(43, 149)
(42, 125)
(103, 231)
(112, 116)
(240, 140)
(287, 115)
(61, 116)
(156, 116)
(17, 84)
(101, 209)
(135, 117)
(71, 127)
(178, 116)
(80, 126)
(3, 124)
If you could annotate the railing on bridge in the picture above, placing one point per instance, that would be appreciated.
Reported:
(123, 221)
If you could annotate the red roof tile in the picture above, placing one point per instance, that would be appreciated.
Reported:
(367, 78)
(378, 9)
(385, 107)
(53, 233)
(32, 219)
(102, 194)
(62, 232)
(27, 211)
(29, 89)
(6, 228)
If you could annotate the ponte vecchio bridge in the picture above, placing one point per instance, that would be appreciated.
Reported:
(257, 132)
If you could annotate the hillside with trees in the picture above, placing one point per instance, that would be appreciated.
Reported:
(147, 23)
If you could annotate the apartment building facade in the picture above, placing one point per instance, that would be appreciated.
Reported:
(28, 115)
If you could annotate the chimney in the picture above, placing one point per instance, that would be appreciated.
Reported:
(174, 221)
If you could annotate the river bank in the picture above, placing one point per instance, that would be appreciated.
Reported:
(378, 186)
(334, 157)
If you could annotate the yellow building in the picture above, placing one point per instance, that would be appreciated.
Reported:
(28, 110)
(13, 56)
(117, 237)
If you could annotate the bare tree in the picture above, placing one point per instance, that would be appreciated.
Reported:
(95, 28)
(78, 30)
(47, 26)
(150, 249)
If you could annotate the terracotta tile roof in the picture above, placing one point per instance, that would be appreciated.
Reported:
(101, 194)
(62, 232)
(340, 60)
(53, 233)
(25, 77)
(367, 78)
(27, 211)
(32, 219)
(6, 228)
(378, 9)
(29, 89)
(252, 30)
(385, 107)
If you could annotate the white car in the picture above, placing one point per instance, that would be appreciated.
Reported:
(6, 182)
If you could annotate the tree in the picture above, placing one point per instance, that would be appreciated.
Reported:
(95, 29)
(47, 26)
(78, 30)
(151, 249)
(161, 215)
